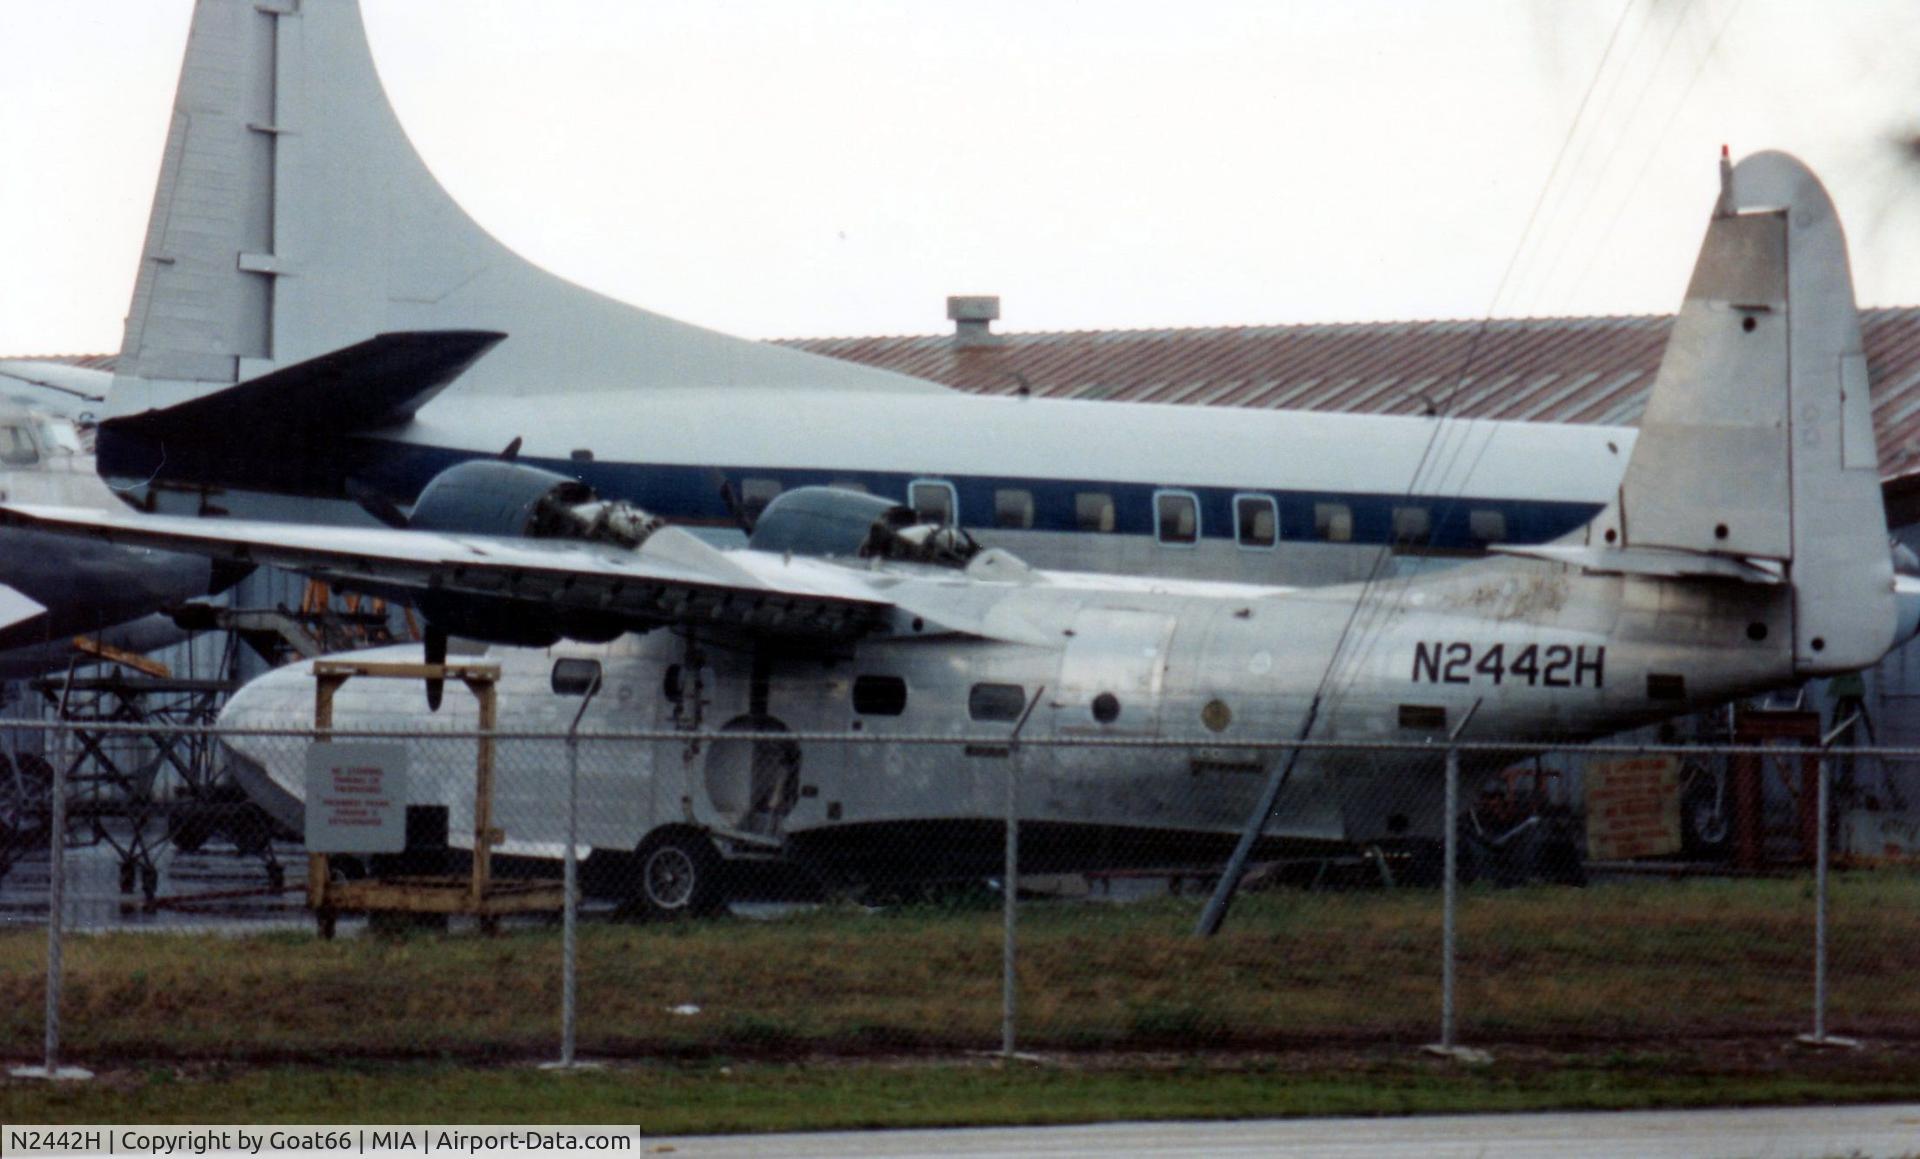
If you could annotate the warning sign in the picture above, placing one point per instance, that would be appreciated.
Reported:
(356, 798)
(1633, 808)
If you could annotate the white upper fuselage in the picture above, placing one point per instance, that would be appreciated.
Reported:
(951, 434)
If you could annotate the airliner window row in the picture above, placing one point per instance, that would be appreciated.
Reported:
(1183, 517)
(1176, 516)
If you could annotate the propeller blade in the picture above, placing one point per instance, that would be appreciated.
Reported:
(376, 505)
(436, 645)
(512, 450)
(735, 508)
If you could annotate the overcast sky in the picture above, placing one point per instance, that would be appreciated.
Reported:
(820, 167)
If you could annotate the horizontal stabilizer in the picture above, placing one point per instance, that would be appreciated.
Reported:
(1649, 561)
(373, 384)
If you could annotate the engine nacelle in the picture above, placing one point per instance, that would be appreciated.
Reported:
(833, 522)
(497, 497)
(826, 521)
(493, 497)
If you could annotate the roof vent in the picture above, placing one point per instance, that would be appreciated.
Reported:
(972, 316)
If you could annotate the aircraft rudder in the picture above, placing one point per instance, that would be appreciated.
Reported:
(1758, 441)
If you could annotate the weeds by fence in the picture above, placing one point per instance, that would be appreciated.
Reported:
(899, 941)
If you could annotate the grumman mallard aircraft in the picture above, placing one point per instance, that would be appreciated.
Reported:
(311, 310)
(1743, 551)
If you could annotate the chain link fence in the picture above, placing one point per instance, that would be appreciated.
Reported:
(754, 892)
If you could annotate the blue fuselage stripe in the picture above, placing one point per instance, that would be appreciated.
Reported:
(693, 494)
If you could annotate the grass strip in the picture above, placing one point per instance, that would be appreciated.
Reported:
(751, 1097)
(1619, 963)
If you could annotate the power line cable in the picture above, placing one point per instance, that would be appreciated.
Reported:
(1531, 259)
(1368, 607)
(1572, 232)
(1653, 154)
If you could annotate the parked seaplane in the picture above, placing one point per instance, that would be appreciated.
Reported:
(1744, 550)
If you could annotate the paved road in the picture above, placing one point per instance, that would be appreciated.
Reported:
(1788, 1133)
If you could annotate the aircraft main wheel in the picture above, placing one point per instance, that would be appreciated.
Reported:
(679, 875)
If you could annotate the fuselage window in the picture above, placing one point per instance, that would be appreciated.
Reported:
(1333, 522)
(1412, 526)
(879, 695)
(1013, 507)
(1176, 517)
(755, 494)
(1487, 526)
(932, 502)
(996, 701)
(575, 676)
(1256, 520)
(16, 447)
(1093, 511)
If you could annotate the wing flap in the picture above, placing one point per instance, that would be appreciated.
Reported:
(672, 578)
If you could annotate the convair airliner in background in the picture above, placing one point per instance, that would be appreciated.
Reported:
(315, 319)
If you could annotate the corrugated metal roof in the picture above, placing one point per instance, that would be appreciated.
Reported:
(1582, 370)
(86, 361)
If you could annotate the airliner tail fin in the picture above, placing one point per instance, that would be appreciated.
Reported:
(293, 218)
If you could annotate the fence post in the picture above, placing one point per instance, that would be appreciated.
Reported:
(1822, 855)
(1010, 886)
(1009, 915)
(1447, 1047)
(1449, 905)
(56, 918)
(570, 906)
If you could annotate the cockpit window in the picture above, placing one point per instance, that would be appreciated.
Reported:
(59, 436)
(16, 447)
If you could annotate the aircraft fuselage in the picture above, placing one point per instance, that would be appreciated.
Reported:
(1543, 651)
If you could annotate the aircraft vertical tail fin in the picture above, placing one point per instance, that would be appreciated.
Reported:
(202, 299)
(1758, 442)
(293, 218)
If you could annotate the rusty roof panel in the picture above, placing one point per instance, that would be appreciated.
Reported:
(1586, 370)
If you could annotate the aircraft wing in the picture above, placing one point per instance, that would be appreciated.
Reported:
(671, 578)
